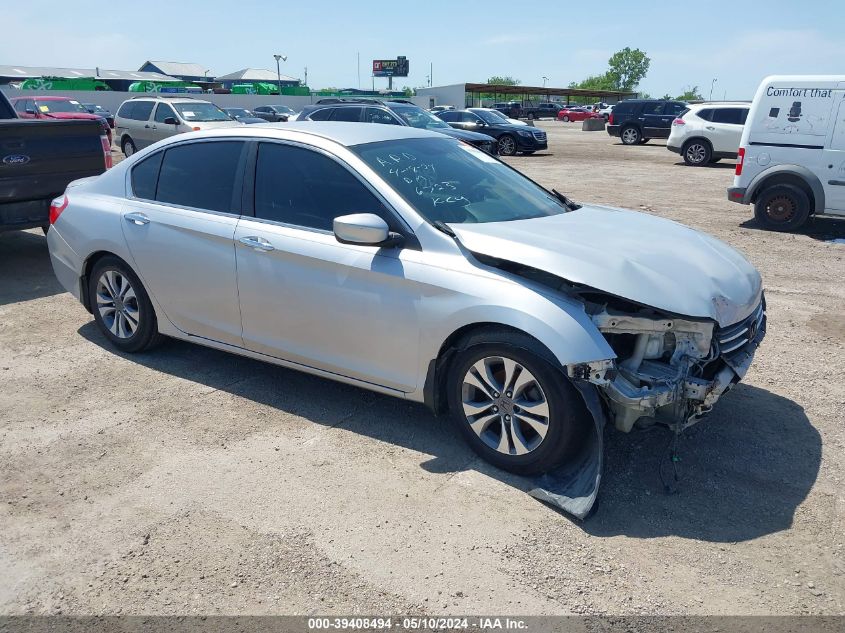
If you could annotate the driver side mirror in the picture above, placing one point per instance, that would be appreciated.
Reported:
(480, 124)
(171, 120)
(30, 111)
(364, 229)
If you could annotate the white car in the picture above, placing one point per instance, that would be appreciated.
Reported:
(606, 111)
(792, 152)
(707, 132)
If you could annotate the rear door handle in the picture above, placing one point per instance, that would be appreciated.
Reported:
(147, 126)
(257, 243)
(710, 127)
(841, 183)
(138, 219)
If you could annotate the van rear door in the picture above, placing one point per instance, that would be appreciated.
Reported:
(834, 159)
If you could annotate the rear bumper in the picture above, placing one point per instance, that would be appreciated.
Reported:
(738, 195)
(613, 130)
(16, 216)
(673, 148)
(66, 263)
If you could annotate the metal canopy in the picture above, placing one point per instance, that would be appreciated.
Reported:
(525, 91)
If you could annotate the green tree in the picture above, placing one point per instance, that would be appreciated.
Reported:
(409, 92)
(595, 82)
(690, 94)
(667, 96)
(628, 67)
(503, 81)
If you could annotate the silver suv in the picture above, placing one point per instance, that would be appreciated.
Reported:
(142, 121)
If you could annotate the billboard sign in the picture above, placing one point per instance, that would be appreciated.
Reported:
(390, 67)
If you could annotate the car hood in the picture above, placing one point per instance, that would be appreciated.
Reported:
(464, 135)
(640, 257)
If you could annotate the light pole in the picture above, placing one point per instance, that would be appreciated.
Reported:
(284, 58)
(712, 83)
(545, 79)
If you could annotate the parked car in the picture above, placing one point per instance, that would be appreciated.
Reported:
(791, 157)
(547, 110)
(242, 115)
(502, 116)
(440, 108)
(142, 121)
(93, 108)
(273, 113)
(637, 121)
(62, 108)
(511, 109)
(606, 111)
(39, 159)
(392, 113)
(707, 132)
(576, 114)
(408, 263)
(510, 138)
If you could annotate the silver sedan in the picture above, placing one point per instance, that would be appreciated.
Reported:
(409, 263)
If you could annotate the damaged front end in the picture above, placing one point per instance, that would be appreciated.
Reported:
(668, 370)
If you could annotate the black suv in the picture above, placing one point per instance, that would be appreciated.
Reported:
(638, 120)
(510, 137)
(391, 113)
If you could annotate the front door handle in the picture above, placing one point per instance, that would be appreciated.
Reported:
(138, 219)
(841, 183)
(147, 126)
(257, 243)
(710, 127)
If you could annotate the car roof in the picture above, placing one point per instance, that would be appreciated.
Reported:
(720, 104)
(169, 99)
(42, 98)
(340, 132)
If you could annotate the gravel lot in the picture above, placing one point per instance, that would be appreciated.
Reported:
(191, 481)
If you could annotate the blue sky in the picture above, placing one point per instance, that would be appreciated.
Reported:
(690, 43)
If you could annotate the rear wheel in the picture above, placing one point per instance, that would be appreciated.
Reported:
(565, 118)
(696, 152)
(782, 207)
(127, 146)
(512, 406)
(630, 135)
(121, 307)
(506, 145)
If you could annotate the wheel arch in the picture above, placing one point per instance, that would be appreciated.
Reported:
(87, 267)
(697, 138)
(795, 175)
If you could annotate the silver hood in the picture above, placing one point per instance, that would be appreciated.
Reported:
(640, 257)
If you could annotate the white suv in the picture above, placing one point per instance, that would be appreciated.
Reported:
(708, 132)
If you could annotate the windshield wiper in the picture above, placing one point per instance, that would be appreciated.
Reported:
(440, 225)
(569, 204)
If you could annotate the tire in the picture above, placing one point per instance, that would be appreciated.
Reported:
(506, 145)
(530, 116)
(713, 161)
(514, 444)
(129, 323)
(782, 207)
(630, 135)
(527, 153)
(697, 152)
(643, 141)
(127, 146)
(565, 118)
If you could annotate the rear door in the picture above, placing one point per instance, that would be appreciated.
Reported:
(834, 160)
(724, 130)
(657, 118)
(351, 114)
(179, 223)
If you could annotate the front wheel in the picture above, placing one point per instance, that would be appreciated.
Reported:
(630, 136)
(121, 307)
(565, 119)
(782, 208)
(513, 407)
(128, 147)
(506, 145)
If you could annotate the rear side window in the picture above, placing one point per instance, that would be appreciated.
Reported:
(653, 108)
(305, 188)
(200, 175)
(734, 116)
(622, 108)
(347, 114)
(449, 115)
(321, 115)
(136, 110)
(145, 177)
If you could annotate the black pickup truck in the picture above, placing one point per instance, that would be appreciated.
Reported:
(38, 158)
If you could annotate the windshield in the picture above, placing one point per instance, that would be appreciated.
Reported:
(238, 112)
(283, 109)
(201, 112)
(419, 118)
(60, 106)
(450, 181)
(489, 117)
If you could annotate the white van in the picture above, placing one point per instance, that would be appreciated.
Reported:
(791, 161)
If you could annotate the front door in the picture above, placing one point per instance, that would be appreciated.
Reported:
(159, 129)
(305, 297)
(833, 167)
(179, 225)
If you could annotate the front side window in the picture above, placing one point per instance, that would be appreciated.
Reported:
(449, 116)
(419, 118)
(449, 181)
(489, 117)
(376, 115)
(196, 112)
(303, 187)
(200, 175)
(163, 111)
(468, 117)
(674, 108)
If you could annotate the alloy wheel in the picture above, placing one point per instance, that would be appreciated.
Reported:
(630, 136)
(117, 304)
(504, 404)
(507, 146)
(696, 153)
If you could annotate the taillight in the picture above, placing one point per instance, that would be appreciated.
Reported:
(610, 119)
(106, 151)
(56, 207)
(740, 159)
(678, 122)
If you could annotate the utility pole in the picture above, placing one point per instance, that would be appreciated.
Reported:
(284, 58)
(430, 74)
(712, 83)
(359, 71)
(306, 75)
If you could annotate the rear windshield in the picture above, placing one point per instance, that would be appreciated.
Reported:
(201, 112)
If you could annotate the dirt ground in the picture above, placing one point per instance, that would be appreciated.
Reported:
(191, 481)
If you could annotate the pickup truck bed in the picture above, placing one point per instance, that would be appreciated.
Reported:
(38, 159)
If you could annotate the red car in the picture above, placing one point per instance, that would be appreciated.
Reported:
(54, 108)
(577, 114)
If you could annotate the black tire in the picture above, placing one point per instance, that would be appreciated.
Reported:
(567, 413)
(697, 152)
(527, 153)
(128, 144)
(782, 207)
(565, 118)
(145, 335)
(643, 141)
(713, 161)
(630, 135)
(506, 145)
